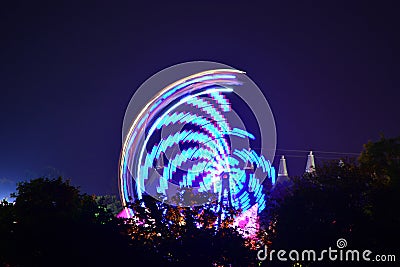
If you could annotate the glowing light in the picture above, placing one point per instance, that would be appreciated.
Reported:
(199, 151)
(246, 223)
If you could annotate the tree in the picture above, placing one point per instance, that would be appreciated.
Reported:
(381, 160)
(53, 224)
(43, 198)
(355, 200)
(188, 236)
(110, 202)
(7, 220)
(318, 212)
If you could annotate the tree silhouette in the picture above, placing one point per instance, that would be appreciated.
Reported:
(53, 224)
(355, 200)
(188, 236)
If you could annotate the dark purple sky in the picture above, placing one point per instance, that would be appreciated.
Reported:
(68, 71)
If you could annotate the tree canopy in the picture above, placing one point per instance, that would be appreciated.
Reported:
(353, 199)
(51, 223)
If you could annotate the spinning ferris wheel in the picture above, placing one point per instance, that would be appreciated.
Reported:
(202, 126)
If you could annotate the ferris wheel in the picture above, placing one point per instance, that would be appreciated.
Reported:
(202, 127)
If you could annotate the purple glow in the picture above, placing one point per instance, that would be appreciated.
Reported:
(186, 136)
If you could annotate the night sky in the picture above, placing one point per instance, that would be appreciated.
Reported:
(68, 71)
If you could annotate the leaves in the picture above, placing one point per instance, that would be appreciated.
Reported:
(355, 199)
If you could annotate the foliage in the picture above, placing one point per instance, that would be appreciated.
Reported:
(110, 202)
(53, 224)
(40, 198)
(52, 220)
(381, 160)
(185, 236)
(355, 200)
